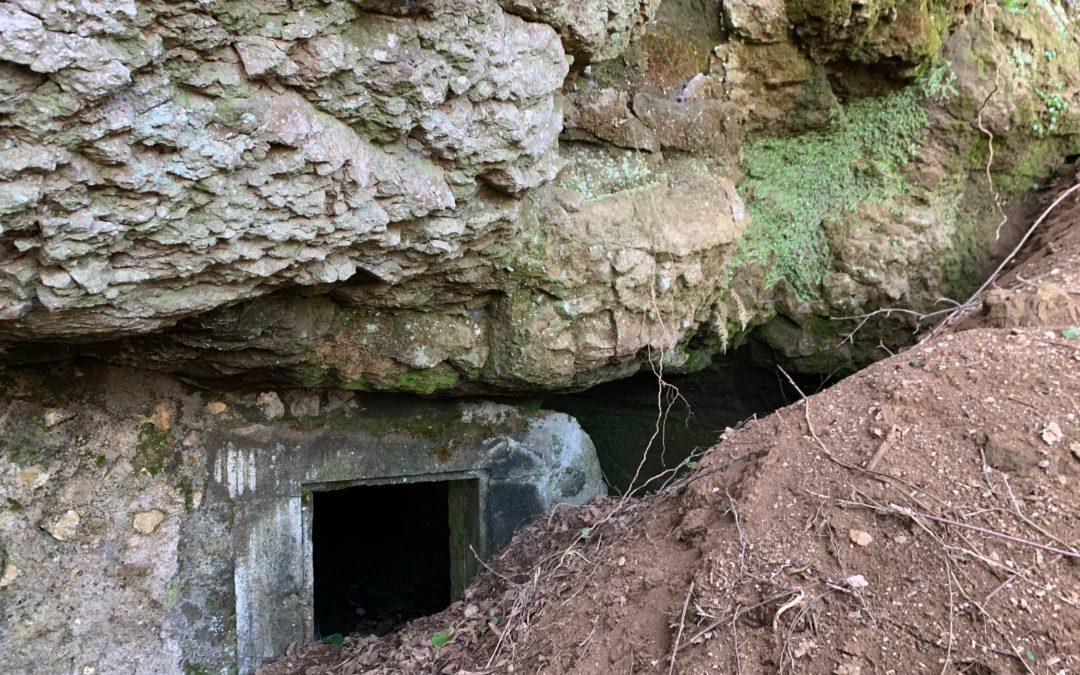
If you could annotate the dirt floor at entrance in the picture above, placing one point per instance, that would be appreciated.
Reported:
(920, 516)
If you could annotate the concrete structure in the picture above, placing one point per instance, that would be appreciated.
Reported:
(503, 468)
(148, 526)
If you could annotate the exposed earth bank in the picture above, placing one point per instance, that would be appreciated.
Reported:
(919, 516)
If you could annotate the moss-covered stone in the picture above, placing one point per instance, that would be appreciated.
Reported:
(794, 185)
(426, 381)
(156, 451)
(897, 37)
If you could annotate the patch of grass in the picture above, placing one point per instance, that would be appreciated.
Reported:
(794, 186)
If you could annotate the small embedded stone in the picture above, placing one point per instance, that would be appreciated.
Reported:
(270, 405)
(33, 477)
(9, 575)
(162, 417)
(1051, 434)
(1006, 456)
(64, 527)
(54, 417)
(216, 407)
(860, 537)
(304, 404)
(147, 521)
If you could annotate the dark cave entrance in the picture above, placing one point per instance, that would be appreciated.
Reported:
(385, 554)
(620, 417)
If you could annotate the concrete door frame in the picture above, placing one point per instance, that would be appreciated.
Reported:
(522, 464)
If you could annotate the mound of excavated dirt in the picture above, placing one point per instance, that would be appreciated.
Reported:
(920, 516)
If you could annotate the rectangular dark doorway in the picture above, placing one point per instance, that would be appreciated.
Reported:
(385, 554)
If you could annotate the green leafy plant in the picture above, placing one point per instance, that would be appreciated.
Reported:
(1023, 60)
(1056, 106)
(795, 186)
(940, 82)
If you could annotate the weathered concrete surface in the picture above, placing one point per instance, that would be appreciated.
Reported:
(147, 527)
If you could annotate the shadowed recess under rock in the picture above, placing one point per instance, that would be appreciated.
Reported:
(621, 417)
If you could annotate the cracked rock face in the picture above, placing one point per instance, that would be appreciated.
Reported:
(580, 292)
(159, 162)
(594, 30)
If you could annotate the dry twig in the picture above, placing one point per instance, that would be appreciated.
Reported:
(682, 626)
(738, 529)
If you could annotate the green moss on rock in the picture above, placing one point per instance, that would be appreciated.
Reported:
(310, 372)
(156, 452)
(793, 186)
(426, 381)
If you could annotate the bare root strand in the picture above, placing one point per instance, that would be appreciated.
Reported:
(738, 529)
(984, 530)
(843, 570)
(888, 312)
(735, 642)
(952, 615)
(989, 134)
(682, 627)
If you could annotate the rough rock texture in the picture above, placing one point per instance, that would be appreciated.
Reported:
(159, 162)
(590, 31)
(422, 196)
(561, 306)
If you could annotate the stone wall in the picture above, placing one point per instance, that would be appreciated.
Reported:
(477, 196)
